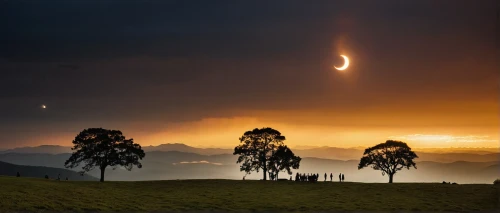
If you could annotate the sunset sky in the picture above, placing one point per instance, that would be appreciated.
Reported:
(204, 72)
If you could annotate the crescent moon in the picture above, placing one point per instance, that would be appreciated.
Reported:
(346, 63)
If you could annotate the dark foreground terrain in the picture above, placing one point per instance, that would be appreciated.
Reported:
(30, 194)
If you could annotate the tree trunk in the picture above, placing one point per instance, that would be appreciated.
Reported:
(264, 159)
(391, 177)
(265, 168)
(277, 175)
(102, 174)
(265, 173)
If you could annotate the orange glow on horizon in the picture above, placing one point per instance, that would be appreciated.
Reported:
(314, 129)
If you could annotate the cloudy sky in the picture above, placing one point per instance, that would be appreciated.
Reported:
(203, 72)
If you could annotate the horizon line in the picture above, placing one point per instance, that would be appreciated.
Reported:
(227, 147)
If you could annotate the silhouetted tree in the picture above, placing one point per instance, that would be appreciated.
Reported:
(283, 159)
(97, 147)
(389, 157)
(256, 148)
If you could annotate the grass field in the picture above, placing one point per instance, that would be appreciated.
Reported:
(28, 194)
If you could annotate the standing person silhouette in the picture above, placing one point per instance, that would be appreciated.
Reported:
(331, 177)
(325, 176)
(342, 177)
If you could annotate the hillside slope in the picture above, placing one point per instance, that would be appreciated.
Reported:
(8, 169)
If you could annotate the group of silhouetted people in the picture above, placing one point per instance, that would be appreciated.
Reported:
(314, 177)
(58, 177)
(46, 176)
(306, 177)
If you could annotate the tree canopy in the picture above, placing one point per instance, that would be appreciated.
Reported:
(102, 148)
(283, 160)
(389, 157)
(257, 151)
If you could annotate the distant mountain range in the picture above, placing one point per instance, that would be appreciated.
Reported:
(160, 165)
(452, 155)
(179, 147)
(8, 169)
(179, 161)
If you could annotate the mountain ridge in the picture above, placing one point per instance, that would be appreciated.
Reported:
(324, 152)
(158, 165)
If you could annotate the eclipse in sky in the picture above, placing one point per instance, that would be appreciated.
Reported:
(346, 63)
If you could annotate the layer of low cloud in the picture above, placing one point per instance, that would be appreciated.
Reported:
(198, 162)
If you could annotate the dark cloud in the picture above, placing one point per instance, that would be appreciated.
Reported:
(99, 62)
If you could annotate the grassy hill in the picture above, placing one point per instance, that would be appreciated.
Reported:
(7, 169)
(29, 194)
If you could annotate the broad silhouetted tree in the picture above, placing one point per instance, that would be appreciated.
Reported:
(102, 148)
(389, 157)
(283, 159)
(256, 148)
